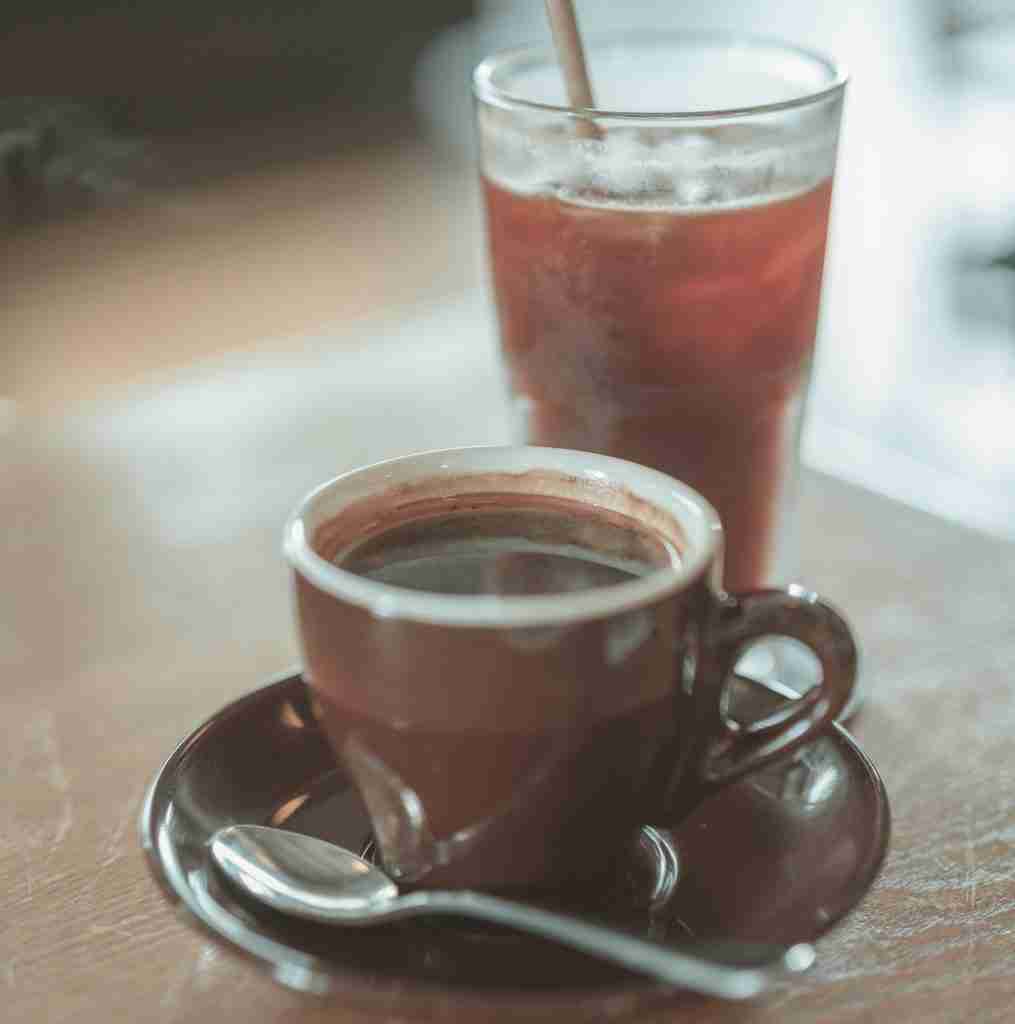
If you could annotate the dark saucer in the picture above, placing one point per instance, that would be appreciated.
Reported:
(778, 857)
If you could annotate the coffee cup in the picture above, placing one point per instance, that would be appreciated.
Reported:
(520, 655)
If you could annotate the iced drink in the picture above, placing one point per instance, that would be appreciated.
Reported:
(679, 338)
(657, 280)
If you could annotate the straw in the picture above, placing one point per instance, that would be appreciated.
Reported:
(571, 54)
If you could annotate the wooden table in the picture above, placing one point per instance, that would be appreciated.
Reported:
(150, 454)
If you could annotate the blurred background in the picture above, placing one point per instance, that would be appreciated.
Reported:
(242, 252)
(185, 180)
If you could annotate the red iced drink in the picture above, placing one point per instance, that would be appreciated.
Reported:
(676, 336)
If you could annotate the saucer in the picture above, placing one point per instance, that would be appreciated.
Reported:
(778, 857)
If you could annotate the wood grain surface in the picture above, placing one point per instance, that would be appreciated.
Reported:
(145, 478)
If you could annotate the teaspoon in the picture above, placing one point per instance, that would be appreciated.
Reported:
(314, 879)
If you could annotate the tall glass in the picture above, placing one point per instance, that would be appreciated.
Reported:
(657, 262)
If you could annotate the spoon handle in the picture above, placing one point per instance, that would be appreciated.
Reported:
(638, 954)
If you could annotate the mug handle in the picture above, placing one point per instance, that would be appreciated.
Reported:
(794, 612)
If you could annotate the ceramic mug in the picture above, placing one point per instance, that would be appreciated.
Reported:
(518, 741)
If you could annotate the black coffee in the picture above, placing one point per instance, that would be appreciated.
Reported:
(500, 544)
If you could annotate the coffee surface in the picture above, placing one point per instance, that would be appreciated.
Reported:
(500, 544)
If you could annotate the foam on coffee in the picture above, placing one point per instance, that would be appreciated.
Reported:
(682, 170)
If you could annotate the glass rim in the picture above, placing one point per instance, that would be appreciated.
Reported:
(486, 90)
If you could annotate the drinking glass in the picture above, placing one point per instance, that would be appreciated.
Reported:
(656, 264)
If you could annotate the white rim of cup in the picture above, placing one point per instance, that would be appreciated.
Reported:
(695, 516)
